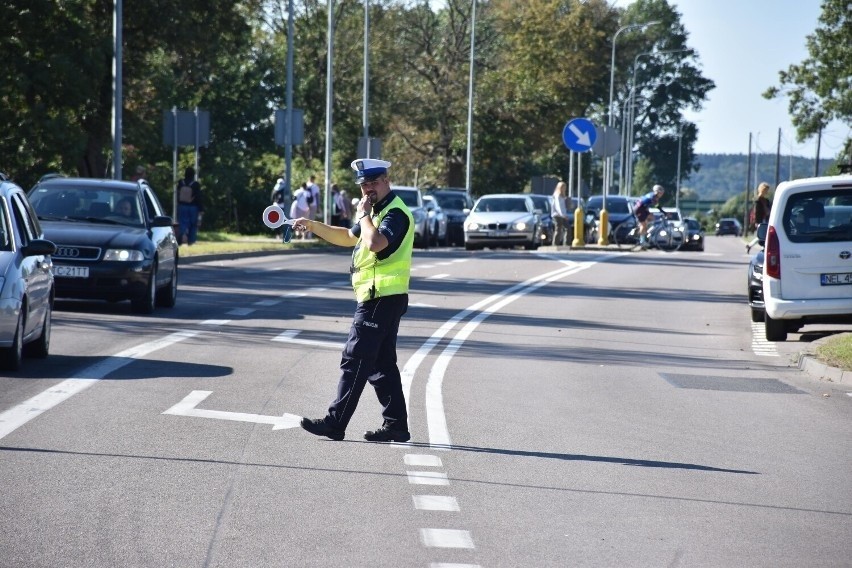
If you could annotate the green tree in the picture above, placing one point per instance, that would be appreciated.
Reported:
(668, 81)
(818, 87)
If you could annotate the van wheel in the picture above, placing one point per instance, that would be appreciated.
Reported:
(776, 330)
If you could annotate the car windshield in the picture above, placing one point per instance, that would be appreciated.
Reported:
(95, 205)
(451, 201)
(618, 206)
(408, 197)
(501, 205)
(693, 224)
(542, 203)
(5, 237)
(819, 216)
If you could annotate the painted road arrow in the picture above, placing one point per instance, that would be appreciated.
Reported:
(186, 407)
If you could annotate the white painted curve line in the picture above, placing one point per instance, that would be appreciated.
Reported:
(436, 418)
(759, 345)
(17, 416)
(446, 538)
(415, 360)
(437, 277)
(215, 322)
(289, 336)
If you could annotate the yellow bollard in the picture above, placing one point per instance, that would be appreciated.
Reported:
(603, 235)
(579, 241)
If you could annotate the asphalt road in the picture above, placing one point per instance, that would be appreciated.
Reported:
(583, 408)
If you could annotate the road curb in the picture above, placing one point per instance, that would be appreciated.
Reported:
(819, 370)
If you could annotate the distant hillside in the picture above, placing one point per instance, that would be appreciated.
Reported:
(724, 175)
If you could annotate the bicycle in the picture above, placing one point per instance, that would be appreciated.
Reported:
(662, 234)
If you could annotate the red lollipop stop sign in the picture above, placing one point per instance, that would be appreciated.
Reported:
(273, 217)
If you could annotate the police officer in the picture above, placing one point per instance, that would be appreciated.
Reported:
(383, 237)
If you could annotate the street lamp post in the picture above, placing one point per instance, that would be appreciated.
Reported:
(629, 144)
(608, 163)
(608, 180)
(469, 169)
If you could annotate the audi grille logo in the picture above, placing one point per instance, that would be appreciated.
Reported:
(845, 255)
(67, 252)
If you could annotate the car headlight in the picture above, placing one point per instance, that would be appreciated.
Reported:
(124, 255)
(472, 226)
(521, 226)
(757, 272)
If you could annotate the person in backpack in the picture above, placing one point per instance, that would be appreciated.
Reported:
(190, 207)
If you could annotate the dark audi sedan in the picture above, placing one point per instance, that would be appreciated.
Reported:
(114, 242)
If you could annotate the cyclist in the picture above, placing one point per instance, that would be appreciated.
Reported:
(642, 210)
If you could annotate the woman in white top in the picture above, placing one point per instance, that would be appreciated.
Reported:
(299, 207)
(560, 214)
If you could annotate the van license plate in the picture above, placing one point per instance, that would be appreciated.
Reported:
(835, 279)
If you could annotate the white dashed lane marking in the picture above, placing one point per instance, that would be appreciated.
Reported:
(446, 538)
(427, 478)
(435, 503)
(422, 460)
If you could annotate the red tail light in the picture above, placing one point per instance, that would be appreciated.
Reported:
(772, 254)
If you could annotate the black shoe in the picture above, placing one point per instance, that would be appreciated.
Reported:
(319, 427)
(387, 434)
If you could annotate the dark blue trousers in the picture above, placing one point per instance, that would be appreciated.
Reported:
(370, 355)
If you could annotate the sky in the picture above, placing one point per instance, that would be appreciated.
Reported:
(742, 45)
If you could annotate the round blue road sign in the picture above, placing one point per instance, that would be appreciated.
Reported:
(579, 134)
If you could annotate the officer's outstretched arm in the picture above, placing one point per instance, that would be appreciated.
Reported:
(335, 235)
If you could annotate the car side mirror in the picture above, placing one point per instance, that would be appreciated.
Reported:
(162, 221)
(762, 229)
(38, 247)
(466, 210)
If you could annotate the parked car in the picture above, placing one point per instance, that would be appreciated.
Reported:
(456, 204)
(413, 198)
(114, 241)
(437, 221)
(807, 269)
(619, 210)
(502, 220)
(26, 280)
(544, 203)
(755, 286)
(693, 234)
(729, 226)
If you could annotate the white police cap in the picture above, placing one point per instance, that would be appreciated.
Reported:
(368, 169)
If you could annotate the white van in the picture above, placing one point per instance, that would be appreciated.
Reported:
(807, 270)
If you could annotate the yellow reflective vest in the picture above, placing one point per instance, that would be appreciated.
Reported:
(374, 278)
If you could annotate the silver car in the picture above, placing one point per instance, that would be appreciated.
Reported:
(26, 280)
(502, 220)
(412, 197)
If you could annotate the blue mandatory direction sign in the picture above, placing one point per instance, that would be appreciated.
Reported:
(579, 134)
